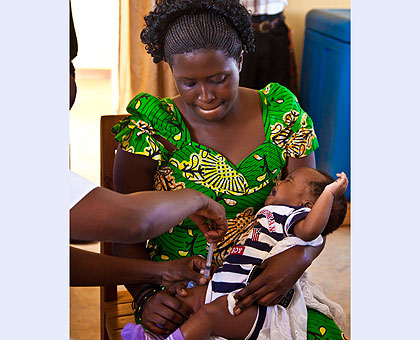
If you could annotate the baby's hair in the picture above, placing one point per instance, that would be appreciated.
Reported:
(339, 207)
(182, 26)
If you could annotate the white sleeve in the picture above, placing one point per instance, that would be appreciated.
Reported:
(289, 242)
(79, 188)
(295, 216)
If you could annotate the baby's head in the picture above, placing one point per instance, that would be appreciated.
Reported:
(302, 188)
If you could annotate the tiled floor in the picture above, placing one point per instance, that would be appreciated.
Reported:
(331, 269)
(84, 309)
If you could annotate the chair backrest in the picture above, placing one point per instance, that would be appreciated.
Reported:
(108, 146)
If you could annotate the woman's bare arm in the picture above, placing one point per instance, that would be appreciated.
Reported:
(293, 163)
(132, 173)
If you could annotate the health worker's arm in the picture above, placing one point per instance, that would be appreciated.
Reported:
(93, 269)
(105, 215)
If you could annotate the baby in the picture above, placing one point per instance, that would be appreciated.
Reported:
(299, 209)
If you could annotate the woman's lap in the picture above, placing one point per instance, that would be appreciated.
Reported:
(321, 327)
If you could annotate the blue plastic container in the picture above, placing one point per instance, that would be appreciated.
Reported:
(325, 86)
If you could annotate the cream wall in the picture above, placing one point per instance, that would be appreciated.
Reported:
(295, 18)
(96, 25)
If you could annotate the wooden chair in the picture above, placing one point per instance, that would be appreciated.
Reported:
(115, 306)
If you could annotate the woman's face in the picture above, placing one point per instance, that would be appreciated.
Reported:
(207, 81)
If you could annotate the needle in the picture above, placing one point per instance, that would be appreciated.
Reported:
(206, 271)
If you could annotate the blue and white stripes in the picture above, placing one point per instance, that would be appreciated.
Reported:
(271, 225)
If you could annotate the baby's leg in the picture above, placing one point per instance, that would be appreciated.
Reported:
(215, 319)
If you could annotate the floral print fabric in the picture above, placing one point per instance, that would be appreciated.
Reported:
(241, 189)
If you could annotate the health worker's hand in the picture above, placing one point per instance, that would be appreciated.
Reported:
(183, 270)
(211, 219)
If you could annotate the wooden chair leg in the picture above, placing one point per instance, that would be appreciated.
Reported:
(104, 333)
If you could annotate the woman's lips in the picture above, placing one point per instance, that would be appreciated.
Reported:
(208, 110)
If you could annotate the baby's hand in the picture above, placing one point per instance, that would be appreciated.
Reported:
(339, 186)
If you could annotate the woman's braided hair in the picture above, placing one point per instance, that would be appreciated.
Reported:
(182, 26)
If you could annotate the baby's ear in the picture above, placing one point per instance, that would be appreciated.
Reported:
(308, 204)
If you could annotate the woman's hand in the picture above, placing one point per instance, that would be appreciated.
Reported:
(183, 270)
(280, 273)
(163, 313)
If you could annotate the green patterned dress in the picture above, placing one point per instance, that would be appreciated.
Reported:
(241, 189)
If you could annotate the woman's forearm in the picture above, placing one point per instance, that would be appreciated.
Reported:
(311, 253)
(280, 273)
(293, 163)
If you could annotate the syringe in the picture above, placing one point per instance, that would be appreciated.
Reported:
(206, 271)
(208, 261)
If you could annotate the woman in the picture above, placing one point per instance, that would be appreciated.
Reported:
(227, 142)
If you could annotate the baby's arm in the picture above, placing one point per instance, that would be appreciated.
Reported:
(314, 224)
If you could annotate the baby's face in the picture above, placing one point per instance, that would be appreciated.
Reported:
(293, 189)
